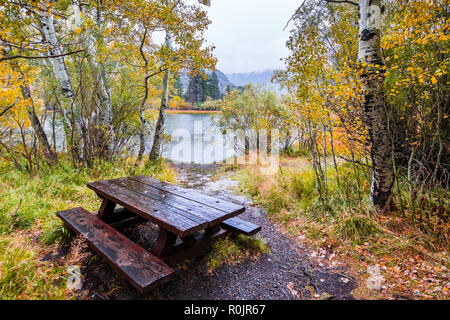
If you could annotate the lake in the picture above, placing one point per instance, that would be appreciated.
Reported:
(195, 139)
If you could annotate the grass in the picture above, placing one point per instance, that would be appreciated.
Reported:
(348, 225)
(358, 229)
(30, 229)
(232, 251)
(24, 276)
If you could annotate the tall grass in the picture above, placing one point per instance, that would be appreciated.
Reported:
(291, 198)
(28, 205)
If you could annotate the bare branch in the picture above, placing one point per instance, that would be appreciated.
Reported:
(39, 57)
(343, 1)
(293, 16)
(7, 108)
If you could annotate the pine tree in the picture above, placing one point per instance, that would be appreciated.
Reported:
(178, 86)
(213, 87)
(227, 89)
(200, 88)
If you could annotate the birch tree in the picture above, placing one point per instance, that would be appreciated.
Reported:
(63, 77)
(375, 106)
(159, 129)
(345, 82)
(103, 116)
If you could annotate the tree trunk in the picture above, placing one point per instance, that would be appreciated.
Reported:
(104, 132)
(375, 105)
(144, 100)
(330, 128)
(157, 140)
(49, 153)
(63, 77)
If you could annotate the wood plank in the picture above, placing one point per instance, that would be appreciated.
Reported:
(204, 212)
(142, 189)
(194, 195)
(177, 221)
(106, 209)
(133, 262)
(164, 243)
(241, 226)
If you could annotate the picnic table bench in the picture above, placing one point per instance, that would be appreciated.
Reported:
(189, 222)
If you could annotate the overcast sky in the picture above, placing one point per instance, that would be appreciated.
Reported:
(248, 34)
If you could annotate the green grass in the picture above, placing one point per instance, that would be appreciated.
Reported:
(232, 251)
(24, 276)
(358, 229)
(28, 206)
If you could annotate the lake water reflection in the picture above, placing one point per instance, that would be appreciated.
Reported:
(195, 139)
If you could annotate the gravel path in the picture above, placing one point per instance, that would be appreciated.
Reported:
(279, 274)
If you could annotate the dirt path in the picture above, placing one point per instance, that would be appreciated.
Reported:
(266, 278)
(284, 273)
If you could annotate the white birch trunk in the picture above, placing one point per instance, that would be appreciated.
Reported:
(49, 153)
(62, 76)
(58, 63)
(103, 116)
(375, 104)
(159, 129)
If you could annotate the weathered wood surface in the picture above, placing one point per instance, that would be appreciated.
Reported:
(240, 226)
(180, 211)
(176, 221)
(230, 208)
(137, 265)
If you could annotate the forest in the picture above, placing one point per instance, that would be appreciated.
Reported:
(363, 126)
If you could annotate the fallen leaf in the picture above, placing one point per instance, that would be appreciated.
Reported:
(291, 289)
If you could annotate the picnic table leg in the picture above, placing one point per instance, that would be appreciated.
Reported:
(106, 209)
(212, 229)
(164, 243)
(189, 239)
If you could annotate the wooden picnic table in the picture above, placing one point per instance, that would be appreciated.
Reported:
(189, 222)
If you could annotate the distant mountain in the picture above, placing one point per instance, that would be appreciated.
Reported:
(239, 79)
(257, 77)
(223, 80)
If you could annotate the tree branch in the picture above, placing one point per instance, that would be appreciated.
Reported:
(6, 110)
(39, 57)
(343, 1)
(293, 16)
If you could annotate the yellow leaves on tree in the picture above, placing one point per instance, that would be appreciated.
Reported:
(12, 104)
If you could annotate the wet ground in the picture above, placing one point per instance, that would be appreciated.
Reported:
(289, 271)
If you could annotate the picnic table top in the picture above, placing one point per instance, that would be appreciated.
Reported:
(178, 210)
